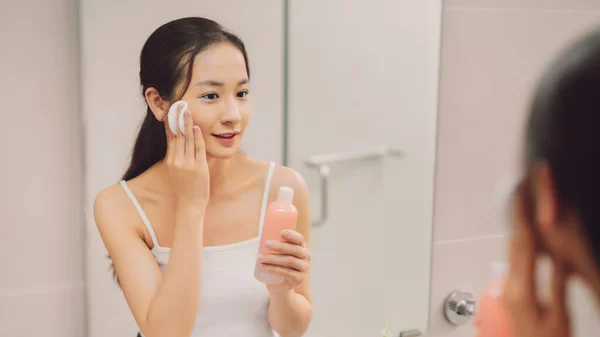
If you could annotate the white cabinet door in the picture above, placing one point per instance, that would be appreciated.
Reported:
(364, 74)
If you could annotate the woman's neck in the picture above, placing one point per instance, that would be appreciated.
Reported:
(220, 171)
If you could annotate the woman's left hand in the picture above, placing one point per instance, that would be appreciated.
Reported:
(531, 316)
(291, 260)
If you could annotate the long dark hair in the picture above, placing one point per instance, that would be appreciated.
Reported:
(564, 131)
(167, 60)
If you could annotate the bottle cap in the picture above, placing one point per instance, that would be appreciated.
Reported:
(285, 194)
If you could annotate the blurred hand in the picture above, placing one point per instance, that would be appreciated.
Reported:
(531, 317)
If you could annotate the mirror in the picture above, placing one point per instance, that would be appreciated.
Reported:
(343, 92)
(110, 64)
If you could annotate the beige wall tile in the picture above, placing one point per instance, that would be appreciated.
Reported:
(45, 311)
(490, 62)
(41, 223)
(460, 265)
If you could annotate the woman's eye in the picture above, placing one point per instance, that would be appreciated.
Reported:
(242, 94)
(211, 96)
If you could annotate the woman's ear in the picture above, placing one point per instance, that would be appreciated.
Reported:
(546, 205)
(157, 104)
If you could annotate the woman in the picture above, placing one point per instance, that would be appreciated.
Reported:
(556, 208)
(183, 226)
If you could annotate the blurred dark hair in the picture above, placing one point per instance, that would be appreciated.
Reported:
(564, 131)
(166, 61)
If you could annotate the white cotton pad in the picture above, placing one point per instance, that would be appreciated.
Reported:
(176, 116)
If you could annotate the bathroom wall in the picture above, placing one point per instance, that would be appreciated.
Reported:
(41, 221)
(492, 53)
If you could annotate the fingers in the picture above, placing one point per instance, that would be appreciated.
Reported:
(293, 237)
(187, 146)
(286, 248)
(179, 147)
(170, 143)
(199, 147)
(559, 289)
(294, 276)
(188, 123)
(521, 292)
(286, 261)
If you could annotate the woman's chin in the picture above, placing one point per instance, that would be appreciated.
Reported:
(221, 152)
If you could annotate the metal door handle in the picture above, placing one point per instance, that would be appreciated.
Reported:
(323, 161)
(459, 307)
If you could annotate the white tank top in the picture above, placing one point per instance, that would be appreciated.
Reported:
(232, 301)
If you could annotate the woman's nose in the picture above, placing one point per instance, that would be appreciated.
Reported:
(231, 112)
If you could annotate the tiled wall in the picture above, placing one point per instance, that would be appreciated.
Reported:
(41, 231)
(492, 54)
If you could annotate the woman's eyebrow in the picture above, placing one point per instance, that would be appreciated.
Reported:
(213, 83)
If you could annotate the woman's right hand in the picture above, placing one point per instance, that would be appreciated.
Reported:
(186, 164)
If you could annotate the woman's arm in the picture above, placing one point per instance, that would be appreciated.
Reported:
(163, 306)
(290, 311)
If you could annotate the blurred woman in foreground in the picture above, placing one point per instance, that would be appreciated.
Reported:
(556, 207)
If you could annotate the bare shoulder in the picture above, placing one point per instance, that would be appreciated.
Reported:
(282, 176)
(285, 176)
(107, 201)
(110, 212)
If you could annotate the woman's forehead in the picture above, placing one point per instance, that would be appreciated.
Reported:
(222, 62)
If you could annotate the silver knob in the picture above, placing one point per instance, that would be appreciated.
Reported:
(459, 307)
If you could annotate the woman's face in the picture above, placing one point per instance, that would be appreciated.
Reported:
(218, 98)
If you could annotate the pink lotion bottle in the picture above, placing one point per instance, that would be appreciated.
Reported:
(492, 318)
(280, 215)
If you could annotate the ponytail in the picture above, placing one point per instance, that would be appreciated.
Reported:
(150, 146)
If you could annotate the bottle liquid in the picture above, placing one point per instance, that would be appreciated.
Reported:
(280, 215)
(492, 318)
